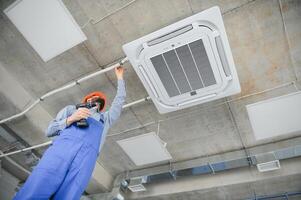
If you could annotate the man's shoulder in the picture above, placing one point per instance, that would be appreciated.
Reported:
(69, 108)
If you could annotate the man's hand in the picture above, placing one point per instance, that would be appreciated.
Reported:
(78, 115)
(119, 72)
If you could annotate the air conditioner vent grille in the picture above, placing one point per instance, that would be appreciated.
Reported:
(268, 166)
(184, 69)
(137, 188)
(186, 63)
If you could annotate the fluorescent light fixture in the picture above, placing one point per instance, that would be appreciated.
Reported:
(276, 116)
(145, 149)
(47, 25)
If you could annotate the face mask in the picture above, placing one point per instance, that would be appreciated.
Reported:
(94, 109)
(94, 113)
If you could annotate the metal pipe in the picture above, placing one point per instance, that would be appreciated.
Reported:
(191, 169)
(286, 195)
(49, 142)
(212, 167)
(65, 87)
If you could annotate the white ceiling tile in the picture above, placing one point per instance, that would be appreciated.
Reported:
(276, 116)
(47, 25)
(145, 149)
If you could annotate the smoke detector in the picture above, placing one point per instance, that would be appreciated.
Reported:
(186, 63)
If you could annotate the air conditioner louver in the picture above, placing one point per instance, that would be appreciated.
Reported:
(186, 63)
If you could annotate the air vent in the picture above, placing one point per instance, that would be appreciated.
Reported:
(268, 166)
(136, 184)
(186, 63)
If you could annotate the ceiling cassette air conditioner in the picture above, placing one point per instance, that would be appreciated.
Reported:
(186, 63)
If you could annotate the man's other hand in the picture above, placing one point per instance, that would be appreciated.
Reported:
(79, 114)
(119, 72)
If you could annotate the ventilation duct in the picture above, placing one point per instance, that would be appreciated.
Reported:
(212, 168)
(186, 63)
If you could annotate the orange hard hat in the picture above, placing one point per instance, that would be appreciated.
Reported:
(96, 94)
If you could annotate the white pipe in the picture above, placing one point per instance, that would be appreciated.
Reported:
(49, 142)
(16, 164)
(93, 21)
(151, 123)
(136, 102)
(26, 149)
(97, 73)
(21, 113)
(65, 87)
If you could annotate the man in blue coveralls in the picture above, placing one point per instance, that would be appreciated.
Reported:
(67, 165)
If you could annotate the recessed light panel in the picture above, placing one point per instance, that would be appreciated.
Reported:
(47, 25)
(145, 149)
(276, 116)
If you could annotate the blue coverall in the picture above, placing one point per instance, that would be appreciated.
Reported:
(66, 167)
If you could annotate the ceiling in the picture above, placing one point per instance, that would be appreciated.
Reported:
(265, 38)
(241, 191)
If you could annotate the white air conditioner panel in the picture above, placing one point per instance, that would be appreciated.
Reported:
(186, 63)
(205, 86)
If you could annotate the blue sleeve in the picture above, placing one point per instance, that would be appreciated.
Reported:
(111, 116)
(59, 123)
(114, 112)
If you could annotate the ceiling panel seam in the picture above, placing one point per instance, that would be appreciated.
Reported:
(287, 40)
(234, 123)
(238, 7)
(190, 6)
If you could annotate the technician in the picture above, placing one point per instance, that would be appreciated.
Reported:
(66, 167)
